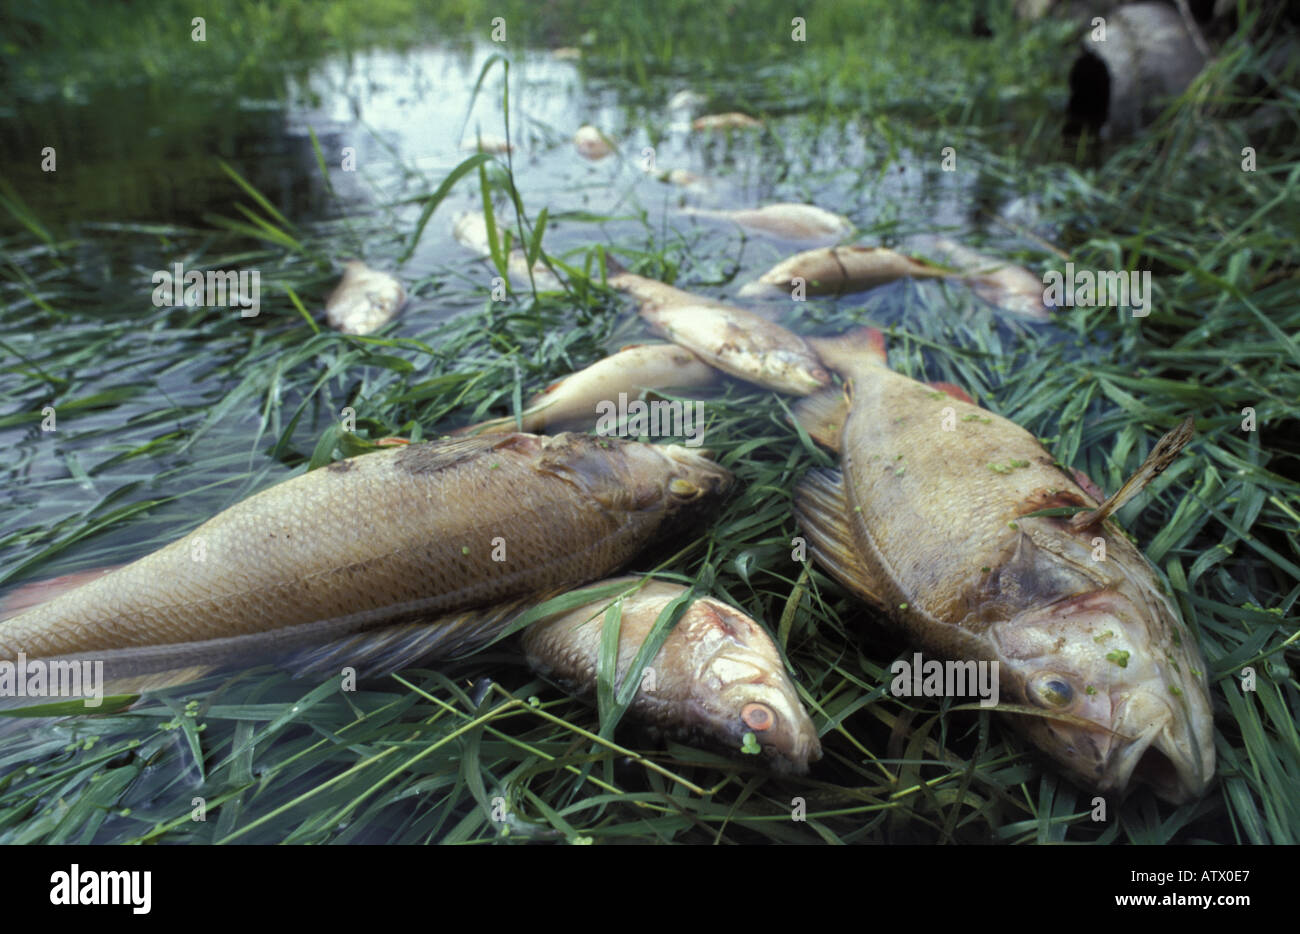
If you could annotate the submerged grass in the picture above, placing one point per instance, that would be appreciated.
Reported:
(480, 749)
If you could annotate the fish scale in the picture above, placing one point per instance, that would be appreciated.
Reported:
(410, 528)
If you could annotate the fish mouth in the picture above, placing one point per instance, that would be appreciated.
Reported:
(1163, 754)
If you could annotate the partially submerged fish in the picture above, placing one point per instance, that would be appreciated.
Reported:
(732, 339)
(937, 529)
(717, 676)
(834, 270)
(788, 221)
(470, 230)
(573, 401)
(364, 300)
(486, 142)
(416, 530)
(652, 293)
(726, 121)
(592, 144)
(1006, 285)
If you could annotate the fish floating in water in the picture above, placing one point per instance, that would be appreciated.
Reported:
(717, 676)
(1006, 285)
(592, 144)
(573, 401)
(416, 530)
(364, 300)
(726, 121)
(786, 221)
(470, 230)
(486, 142)
(940, 530)
(734, 340)
(835, 270)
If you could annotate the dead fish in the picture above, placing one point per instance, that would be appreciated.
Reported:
(726, 121)
(420, 529)
(592, 144)
(679, 177)
(652, 293)
(717, 676)
(573, 400)
(835, 270)
(686, 100)
(1006, 285)
(486, 142)
(732, 339)
(937, 528)
(567, 53)
(470, 230)
(787, 221)
(364, 300)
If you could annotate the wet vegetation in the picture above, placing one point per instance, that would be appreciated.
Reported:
(167, 415)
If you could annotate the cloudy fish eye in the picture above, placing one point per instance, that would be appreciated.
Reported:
(757, 717)
(1051, 690)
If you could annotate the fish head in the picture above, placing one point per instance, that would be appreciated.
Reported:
(737, 685)
(1122, 700)
(627, 476)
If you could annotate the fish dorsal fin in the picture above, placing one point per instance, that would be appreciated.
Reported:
(1161, 456)
(821, 507)
(822, 415)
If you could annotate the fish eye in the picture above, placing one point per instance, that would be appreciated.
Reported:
(758, 717)
(683, 489)
(1051, 690)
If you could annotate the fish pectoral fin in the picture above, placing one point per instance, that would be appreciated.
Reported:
(822, 415)
(822, 509)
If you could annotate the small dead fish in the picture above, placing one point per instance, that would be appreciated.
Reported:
(835, 270)
(726, 121)
(485, 142)
(732, 339)
(592, 144)
(470, 230)
(940, 530)
(687, 100)
(572, 401)
(679, 177)
(567, 53)
(1006, 285)
(415, 530)
(364, 300)
(717, 676)
(787, 221)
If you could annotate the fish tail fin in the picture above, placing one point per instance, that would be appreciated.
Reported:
(822, 415)
(859, 348)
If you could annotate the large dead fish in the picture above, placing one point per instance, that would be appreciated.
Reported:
(573, 401)
(930, 519)
(835, 270)
(717, 676)
(418, 530)
(364, 300)
(787, 221)
(732, 339)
